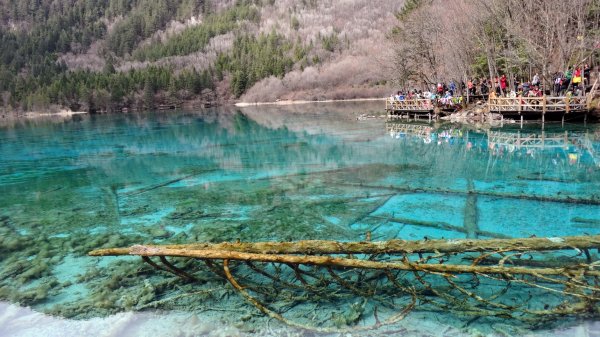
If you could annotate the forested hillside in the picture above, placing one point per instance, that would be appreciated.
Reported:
(98, 55)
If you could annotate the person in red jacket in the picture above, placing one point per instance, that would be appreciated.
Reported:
(503, 84)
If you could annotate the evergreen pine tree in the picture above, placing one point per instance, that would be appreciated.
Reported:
(148, 94)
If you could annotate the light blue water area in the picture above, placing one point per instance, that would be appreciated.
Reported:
(307, 172)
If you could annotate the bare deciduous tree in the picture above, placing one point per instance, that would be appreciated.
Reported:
(512, 37)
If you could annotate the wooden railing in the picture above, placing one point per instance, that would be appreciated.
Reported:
(542, 104)
(409, 105)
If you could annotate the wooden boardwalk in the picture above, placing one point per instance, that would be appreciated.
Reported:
(539, 107)
(419, 108)
(423, 105)
(544, 107)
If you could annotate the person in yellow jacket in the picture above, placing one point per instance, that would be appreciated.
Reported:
(577, 78)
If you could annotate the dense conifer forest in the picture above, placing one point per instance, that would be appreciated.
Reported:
(115, 55)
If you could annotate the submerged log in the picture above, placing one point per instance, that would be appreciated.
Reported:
(166, 183)
(430, 280)
(470, 216)
(405, 265)
(442, 226)
(313, 247)
(503, 195)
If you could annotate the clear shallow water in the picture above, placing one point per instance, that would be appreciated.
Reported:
(304, 172)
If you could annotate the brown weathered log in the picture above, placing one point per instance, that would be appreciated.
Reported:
(356, 263)
(575, 279)
(312, 247)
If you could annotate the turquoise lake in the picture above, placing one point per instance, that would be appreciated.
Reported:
(330, 171)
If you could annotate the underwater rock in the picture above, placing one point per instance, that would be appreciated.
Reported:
(11, 244)
(187, 214)
(116, 239)
(38, 294)
(145, 209)
(350, 316)
(36, 271)
(91, 274)
(160, 233)
(105, 300)
(181, 237)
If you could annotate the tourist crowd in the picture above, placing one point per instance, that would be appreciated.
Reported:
(571, 82)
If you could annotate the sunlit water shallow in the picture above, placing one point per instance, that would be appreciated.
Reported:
(263, 174)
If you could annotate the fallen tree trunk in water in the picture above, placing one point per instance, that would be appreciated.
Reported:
(502, 195)
(313, 247)
(439, 225)
(441, 274)
(207, 254)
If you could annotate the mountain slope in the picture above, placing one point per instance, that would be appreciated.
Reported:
(110, 55)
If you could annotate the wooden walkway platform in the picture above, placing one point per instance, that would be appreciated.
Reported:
(423, 105)
(545, 107)
(418, 108)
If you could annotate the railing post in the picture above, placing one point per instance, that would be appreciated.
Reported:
(543, 108)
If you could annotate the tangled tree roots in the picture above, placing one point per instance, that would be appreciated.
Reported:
(528, 279)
